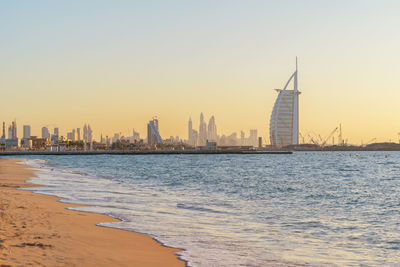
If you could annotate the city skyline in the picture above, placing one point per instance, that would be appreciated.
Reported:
(210, 133)
(224, 61)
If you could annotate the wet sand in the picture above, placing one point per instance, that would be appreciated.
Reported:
(38, 230)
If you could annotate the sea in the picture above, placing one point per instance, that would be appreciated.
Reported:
(307, 208)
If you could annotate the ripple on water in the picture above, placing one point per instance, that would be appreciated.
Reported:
(244, 210)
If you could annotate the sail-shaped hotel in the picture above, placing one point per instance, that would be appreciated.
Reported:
(284, 122)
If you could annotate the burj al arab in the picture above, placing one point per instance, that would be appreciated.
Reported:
(284, 122)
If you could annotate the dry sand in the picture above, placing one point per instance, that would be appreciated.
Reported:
(37, 230)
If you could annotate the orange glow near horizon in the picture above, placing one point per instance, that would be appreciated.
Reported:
(64, 64)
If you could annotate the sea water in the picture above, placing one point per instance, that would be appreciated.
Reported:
(334, 208)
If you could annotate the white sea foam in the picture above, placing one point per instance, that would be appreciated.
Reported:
(241, 210)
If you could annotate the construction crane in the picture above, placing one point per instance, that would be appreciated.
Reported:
(302, 137)
(340, 137)
(372, 140)
(313, 140)
(329, 136)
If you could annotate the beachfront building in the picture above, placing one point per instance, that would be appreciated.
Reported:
(153, 134)
(284, 122)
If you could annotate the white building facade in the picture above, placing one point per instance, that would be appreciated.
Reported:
(284, 122)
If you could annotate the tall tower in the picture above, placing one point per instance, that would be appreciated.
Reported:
(27, 131)
(14, 130)
(212, 130)
(190, 132)
(284, 122)
(45, 132)
(85, 136)
(90, 136)
(153, 134)
(78, 132)
(202, 131)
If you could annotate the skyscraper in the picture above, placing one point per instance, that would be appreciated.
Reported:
(190, 132)
(78, 133)
(27, 131)
(14, 130)
(45, 132)
(195, 137)
(153, 134)
(284, 122)
(85, 136)
(202, 131)
(212, 130)
(253, 138)
(90, 136)
(55, 136)
(135, 135)
(4, 131)
(10, 132)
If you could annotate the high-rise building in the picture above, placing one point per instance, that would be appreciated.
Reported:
(78, 134)
(212, 130)
(116, 138)
(135, 135)
(253, 138)
(45, 132)
(195, 137)
(190, 132)
(202, 131)
(3, 135)
(4, 131)
(242, 138)
(27, 131)
(70, 136)
(10, 132)
(85, 135)
(55, 136)
(90, 136)
(284, 122)
(153, 134)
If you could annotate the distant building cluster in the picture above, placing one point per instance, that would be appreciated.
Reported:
(48, 142)
(209, 133)
(81, 139)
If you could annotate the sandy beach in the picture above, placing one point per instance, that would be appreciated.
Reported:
(38, 230)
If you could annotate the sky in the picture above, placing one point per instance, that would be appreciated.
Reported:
(116, 64)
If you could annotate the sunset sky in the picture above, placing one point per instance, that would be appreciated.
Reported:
(115, 64)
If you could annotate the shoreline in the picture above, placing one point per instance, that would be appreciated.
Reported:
(144, 152)
(39, 229)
